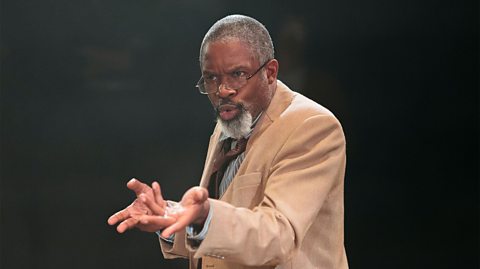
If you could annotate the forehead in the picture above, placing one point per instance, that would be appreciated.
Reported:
(224, 54)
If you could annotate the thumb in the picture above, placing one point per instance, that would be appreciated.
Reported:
(199, 194)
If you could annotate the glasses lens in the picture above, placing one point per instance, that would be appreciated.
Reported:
(235, 83)
(201, 86)
(232, 82)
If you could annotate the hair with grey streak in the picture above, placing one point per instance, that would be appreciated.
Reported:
(245, 29)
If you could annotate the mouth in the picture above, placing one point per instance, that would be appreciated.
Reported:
(228, 112)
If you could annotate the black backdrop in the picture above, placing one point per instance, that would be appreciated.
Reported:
(96, 92)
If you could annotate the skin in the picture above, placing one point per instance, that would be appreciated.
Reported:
(221, 57)
(130, 216)
(147, 211)
(226, 57)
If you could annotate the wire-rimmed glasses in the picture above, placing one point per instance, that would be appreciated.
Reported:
(233, 81)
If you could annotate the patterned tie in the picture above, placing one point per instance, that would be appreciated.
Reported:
(220, 165)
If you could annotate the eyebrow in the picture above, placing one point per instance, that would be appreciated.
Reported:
(230, 69)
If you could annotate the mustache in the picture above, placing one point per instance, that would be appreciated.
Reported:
(221, 103)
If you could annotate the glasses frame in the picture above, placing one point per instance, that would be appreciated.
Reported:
(202, 90)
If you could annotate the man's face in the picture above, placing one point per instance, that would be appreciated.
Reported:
(223, 58)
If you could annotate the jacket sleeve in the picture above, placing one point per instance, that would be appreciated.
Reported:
(175, 250)
(305, 169)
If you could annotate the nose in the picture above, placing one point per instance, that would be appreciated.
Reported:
(224, 91)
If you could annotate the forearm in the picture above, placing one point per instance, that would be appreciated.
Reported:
(251, 237)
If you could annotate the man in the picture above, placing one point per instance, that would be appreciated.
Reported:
(275, 168)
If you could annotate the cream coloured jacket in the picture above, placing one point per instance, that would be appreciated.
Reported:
(284, 208)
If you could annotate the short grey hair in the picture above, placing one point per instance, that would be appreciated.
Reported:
(245, 29)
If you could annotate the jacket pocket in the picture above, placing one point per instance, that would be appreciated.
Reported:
(246, 190)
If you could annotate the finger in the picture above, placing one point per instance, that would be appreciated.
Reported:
(157, 193)
(119, 216)
(154, 207)
(126, 225)
(180, 224)
(154, 223)
(137, 186)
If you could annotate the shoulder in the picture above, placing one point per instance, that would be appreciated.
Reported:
(301, 109)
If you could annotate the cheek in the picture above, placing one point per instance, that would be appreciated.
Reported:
(213, 99)
(248, 100)
(256, 102)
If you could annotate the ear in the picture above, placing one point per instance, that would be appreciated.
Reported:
(272, 71)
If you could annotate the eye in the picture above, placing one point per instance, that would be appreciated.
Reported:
(237, 74)
(210, 78)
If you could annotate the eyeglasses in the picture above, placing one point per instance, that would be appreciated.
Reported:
(233, 81)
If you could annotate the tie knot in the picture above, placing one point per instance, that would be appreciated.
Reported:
(231, 149)
(239, 145)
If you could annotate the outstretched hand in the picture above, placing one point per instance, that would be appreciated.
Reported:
(194, 208)
(131, 215)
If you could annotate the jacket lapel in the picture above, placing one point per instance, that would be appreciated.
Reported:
(213, 152)
(280, 101)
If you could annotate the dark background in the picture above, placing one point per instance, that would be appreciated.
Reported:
(95, 92)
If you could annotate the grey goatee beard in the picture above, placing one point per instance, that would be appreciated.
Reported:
(238, 127)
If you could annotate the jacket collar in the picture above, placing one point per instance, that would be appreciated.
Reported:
(281, 100)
